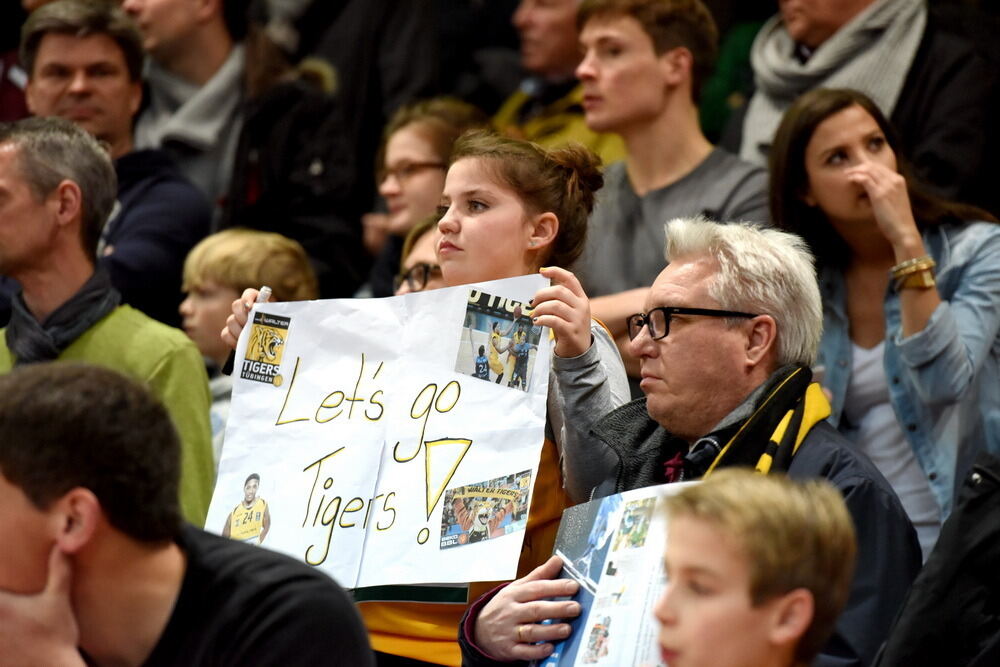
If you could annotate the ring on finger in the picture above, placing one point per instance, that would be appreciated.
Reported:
(520, 634)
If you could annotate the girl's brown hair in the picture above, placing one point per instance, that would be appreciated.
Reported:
(562, 181)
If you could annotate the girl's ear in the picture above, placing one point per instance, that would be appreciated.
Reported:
(543, 230)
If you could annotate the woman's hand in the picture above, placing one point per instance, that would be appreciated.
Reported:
(565, 308)
(890, 202)
(238, 320)
(508, 627)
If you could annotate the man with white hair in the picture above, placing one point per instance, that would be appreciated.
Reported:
(730, 330)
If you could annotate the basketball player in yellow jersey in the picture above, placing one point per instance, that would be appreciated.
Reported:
(496, 347)
(251, 519)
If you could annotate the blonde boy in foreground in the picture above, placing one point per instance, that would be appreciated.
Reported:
(759, 568)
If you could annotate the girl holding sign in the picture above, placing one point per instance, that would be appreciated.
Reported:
(510, 208)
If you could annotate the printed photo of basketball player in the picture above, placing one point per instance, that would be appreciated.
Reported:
(251, 519)
(499, 342)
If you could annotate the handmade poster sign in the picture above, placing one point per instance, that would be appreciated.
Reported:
(388, 441)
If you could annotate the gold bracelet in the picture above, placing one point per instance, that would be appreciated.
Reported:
(923, 279)
(910, 266)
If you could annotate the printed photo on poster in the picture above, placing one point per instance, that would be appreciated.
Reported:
(268, 335)
(478, 512)
(635, 524)
(498, 341)
(251, 518)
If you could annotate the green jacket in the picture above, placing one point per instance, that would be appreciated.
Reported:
(167, 362)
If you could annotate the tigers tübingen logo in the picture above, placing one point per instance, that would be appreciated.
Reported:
(267, 343)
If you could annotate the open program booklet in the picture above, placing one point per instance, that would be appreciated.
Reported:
(614, 548)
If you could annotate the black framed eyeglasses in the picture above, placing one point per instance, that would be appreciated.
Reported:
(416, 276)
(658, 319)
(406, 170)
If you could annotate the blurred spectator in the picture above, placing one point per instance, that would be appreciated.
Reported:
(13, 78)
(548, 108)
(195, 79)
(932, 81)
(383, 54)
(951, 617)
(103, 570)
(84, 60)
(215, 274)
(419, 270)
(644, 63)
(58, 188)
(414, 156)
(295, 172)
(478, 51)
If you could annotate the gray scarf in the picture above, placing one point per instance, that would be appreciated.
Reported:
(30, 341)
(872, 53)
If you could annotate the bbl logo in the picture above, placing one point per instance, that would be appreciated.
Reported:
(267, 342)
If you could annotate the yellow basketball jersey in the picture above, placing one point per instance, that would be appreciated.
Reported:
(245, 524)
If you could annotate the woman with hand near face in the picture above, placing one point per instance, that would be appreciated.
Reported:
(911, 287)
(510, 208)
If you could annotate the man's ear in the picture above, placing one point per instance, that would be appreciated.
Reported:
(543, 231)
(677, 65)
(78, 513)
(29, 97)
(762, 339)
(66, 202)
(208, 9)
(134, 97)
(792, 615)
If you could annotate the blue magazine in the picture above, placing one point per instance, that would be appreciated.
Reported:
(613, 547)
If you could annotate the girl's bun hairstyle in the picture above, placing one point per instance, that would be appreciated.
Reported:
(563, 181)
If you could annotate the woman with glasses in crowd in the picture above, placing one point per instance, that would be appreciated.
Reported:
(911, 287)
(510, 208)
(419, 270)
(412, 161)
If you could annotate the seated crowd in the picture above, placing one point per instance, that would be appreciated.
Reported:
(805, 316)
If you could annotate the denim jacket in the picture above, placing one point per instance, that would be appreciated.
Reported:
(944, 381)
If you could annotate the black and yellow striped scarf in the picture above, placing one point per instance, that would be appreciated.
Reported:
(769, 438)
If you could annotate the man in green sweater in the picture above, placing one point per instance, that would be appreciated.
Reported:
(57, 189)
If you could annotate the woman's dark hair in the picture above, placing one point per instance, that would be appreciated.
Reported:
(563, 181)
(790, 180)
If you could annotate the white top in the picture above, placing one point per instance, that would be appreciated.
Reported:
(879, 435)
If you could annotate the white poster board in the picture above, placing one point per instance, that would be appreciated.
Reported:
(386, 450)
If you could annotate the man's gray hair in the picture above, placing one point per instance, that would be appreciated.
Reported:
(763, 271)
(53, 150)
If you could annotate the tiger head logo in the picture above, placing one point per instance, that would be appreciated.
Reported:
(265, 345)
